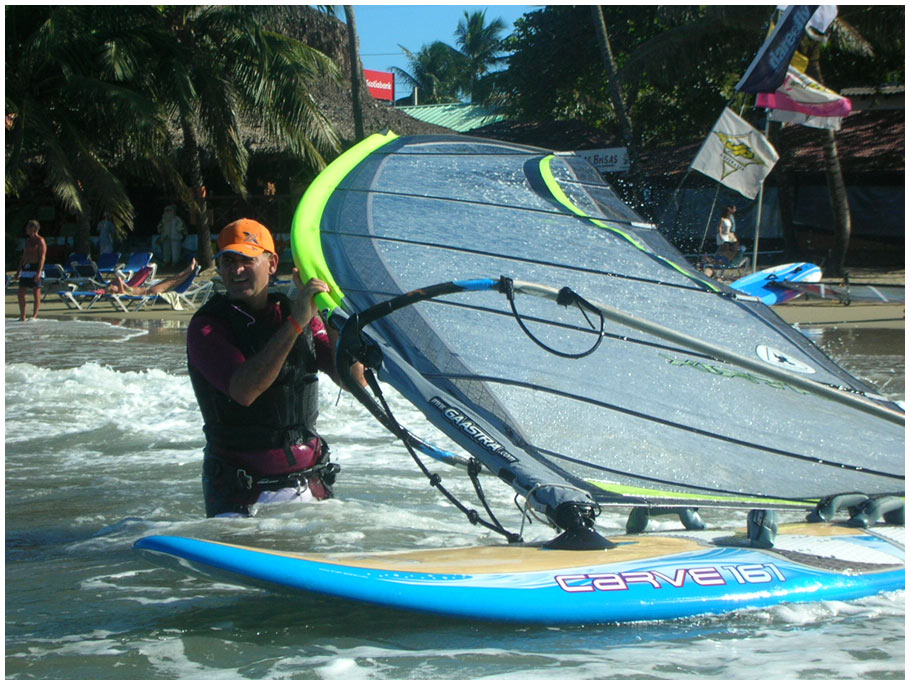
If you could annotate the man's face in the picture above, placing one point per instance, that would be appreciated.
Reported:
(247, 278)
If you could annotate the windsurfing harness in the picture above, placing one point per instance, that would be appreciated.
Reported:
(284, 415)
(228, 488)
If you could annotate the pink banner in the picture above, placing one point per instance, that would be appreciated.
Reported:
(799, 93)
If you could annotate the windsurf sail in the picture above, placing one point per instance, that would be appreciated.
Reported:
(568, 346)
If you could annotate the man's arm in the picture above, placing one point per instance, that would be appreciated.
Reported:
(256, 374)
(42, 255)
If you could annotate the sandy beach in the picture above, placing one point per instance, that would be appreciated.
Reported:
(54, 307)
(802, 311)
(807, 311)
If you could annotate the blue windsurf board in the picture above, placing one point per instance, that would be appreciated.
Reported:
(659, 576)
(770, 285)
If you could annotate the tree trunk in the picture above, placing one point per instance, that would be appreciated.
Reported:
(613, 86)
(837, 189)
(356, 72)
(834, 265)
(614, 90)
(204, 248)
(785, 196)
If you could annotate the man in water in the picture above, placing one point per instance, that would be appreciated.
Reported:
(31, 267)
(253, 358)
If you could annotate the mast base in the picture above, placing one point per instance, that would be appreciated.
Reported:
(579, 533)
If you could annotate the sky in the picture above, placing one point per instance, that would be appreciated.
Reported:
(382, 28)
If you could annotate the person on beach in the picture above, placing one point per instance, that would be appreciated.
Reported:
(31, 267)
(253, 358)
(106, 234)
(121, 287)
(727, 242)
(171, 230)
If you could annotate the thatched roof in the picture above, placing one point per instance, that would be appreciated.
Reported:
(551, 135)
(329, 35)
(869, 142)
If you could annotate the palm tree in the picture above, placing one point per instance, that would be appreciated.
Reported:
(614, 88)
(435, 72)
(212, 69)
(851, 41)
(481, 45)
(73, 113)
(356, 71)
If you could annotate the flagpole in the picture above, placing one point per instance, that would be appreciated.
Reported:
(761, 195)
(710, 216)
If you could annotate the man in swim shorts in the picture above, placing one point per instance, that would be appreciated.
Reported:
(31, 267)
(253, 358)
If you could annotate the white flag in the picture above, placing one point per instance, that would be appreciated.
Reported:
(736, 154)
(800, 93)
(786, 117)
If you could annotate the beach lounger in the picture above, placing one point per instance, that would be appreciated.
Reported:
(52, 277)
(86, 276)
(75, 258)
(723, 266)
(80, 299)
(123, 300)
(136, 261)
(188, 294)
(196, 295)
(108, 264)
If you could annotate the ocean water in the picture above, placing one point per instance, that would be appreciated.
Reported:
(103, 446)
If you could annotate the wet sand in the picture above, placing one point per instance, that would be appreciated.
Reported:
(808, 311)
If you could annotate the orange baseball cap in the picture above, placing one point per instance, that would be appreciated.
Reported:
(246, 237)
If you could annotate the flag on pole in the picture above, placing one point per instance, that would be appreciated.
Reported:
(823, 18)
(769, 67)
(785, 117)
(736, 155)
(800, 93)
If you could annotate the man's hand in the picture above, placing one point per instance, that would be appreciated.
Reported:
(304, 306)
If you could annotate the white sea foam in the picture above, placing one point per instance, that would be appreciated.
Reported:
(104, 446)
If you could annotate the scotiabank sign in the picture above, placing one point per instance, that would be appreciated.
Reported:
(381, 84)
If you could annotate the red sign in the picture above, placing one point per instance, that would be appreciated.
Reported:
(381, 84)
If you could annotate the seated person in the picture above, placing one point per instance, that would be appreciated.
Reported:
(120, 287)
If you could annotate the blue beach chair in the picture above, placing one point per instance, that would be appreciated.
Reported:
(187, 294)
(80, 299)
(136, 261)
(75, 258)
(52, 277)
(108, 264)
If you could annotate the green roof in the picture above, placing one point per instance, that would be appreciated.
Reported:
(456, 116)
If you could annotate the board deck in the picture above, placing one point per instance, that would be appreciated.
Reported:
(646, 577)
(767, 284)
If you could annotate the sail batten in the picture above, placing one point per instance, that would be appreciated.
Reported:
(692, 394)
